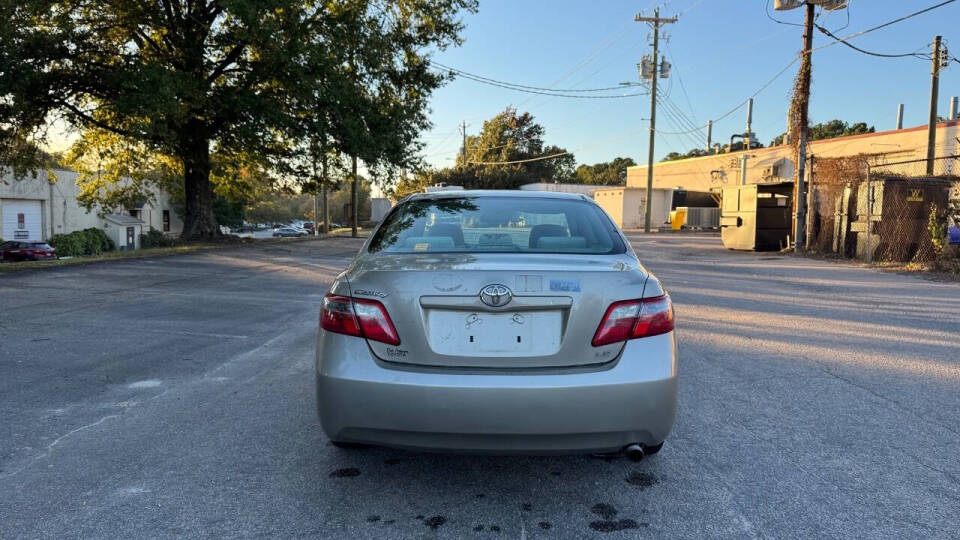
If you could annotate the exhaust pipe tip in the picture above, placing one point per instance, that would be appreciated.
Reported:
(634, 452)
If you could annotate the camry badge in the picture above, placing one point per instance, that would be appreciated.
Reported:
(495, 295)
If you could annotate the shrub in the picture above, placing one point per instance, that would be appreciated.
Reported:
(68, 245)
(90, 241)
(937, 224)
(97, 241)
(155, 238)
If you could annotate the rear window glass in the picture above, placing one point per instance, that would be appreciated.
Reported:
(40, 245)
(497, 224)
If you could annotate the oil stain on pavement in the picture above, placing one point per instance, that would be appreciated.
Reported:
(608, 523)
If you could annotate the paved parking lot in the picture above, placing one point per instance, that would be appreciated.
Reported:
(174, 397)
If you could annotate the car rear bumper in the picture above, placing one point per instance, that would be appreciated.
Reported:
(593, 409)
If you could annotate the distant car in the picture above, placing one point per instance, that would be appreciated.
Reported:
(19, 250)
(289, 232)
(452, 331)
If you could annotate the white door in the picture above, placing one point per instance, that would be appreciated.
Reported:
(22, 220)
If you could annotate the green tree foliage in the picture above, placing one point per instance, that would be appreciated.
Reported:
(508, 137)
(696, 152)
(283, 205)
(227, 212)
(411, 183)
(829, 130)
(609, 173)
(193, 85)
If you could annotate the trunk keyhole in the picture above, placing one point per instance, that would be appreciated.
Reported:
(471, 339)
(518, 339)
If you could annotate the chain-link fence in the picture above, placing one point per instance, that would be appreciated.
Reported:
(879, 210)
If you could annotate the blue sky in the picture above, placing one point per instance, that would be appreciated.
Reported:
(721, 50)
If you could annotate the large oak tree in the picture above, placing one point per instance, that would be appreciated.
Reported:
(232, 85)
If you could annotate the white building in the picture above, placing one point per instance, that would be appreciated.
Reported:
(34, 208)
(586, 189)
(627, 205)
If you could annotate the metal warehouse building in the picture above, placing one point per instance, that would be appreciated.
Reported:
(776, 163)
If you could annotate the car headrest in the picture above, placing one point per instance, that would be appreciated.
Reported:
(562, 243)
(537, 232)
(449, 230)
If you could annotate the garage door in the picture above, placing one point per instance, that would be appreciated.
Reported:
(22, 220)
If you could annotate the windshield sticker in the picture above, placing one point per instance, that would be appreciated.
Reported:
(421, 246)
(565, 285)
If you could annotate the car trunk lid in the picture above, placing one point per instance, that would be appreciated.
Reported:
(555, 304)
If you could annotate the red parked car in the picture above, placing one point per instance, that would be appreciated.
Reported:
(22, 250)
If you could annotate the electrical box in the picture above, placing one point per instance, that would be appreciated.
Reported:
(783, 5)
(646, 67)
(664, 68)
(830, 5)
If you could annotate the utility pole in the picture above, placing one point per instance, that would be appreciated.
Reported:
(463, 149)
(323, 188)
(804, 101)
(934, 92)
(354, 211)
(316, 195)
(656, 22)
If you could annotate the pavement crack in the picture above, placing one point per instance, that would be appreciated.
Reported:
(57, 441)
(899, 406)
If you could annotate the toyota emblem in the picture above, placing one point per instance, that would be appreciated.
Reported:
(495, 295)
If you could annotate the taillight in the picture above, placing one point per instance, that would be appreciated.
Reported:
(630, 319)
(358, 317)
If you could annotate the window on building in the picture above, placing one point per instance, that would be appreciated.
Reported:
(166, 221)
(135, 213)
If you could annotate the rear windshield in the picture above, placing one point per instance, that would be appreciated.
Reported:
(497, 224)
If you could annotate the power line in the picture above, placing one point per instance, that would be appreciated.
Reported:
(761, 89)
(680, 79)
(517, 89)
(884, 25)
(677, 119)
(541, 158)
(914, 54)
(613, 39)
(560, 154)
(739, 105)
(846, 10)
(567, 90)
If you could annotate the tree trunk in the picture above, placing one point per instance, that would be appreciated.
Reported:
(199, 222)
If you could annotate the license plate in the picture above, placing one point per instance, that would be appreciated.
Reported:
(480, 333)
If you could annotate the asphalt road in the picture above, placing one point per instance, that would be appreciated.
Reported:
(173, 397)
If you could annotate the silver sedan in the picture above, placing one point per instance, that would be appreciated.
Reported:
(497, 322)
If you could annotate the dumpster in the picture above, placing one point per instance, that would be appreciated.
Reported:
(756, 216)
(677, 218)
